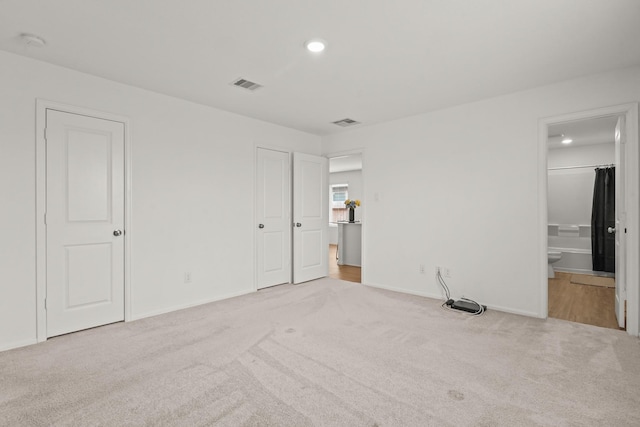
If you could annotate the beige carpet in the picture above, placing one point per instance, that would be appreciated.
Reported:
(326, 353)
(584, 279)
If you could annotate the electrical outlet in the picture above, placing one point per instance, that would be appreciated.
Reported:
(421, 268)
(187, 277)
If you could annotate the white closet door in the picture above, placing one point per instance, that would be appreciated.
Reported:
(310, 217)
(84, 222)
(273, 229)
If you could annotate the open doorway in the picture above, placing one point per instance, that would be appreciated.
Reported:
(582, 281)
(625, 168)
(346, 212)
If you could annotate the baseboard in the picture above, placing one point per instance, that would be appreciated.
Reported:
(189, 305)
(18, 344)
(406, 291)
(514, 311)
(441, 298)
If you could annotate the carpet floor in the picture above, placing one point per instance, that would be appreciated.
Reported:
(327, 352)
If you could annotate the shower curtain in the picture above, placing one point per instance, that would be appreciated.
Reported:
(603, 243)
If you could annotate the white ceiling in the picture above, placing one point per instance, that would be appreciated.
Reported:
(583, 132)
(385, 59)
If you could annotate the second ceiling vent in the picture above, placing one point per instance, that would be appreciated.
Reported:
(246, 84)
(346, 122)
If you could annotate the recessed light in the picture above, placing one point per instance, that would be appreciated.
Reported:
(567, 141)
(315, 45)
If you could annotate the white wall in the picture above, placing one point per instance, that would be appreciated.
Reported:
(354, 179)
(193, 191)
(570, 191)
(459, 188)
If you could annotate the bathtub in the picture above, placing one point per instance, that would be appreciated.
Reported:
(574, 242)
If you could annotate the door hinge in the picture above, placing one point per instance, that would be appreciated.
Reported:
(45, 134)
(45, 218)
(45, 303)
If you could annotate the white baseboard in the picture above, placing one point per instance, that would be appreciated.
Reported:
(441, 298)
(189, 305)
(515, 311)
(18, 344)
(406, 291)
(24, 343)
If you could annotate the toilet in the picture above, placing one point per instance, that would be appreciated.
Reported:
(552, 257)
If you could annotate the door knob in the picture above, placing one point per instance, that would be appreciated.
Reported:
(117, 233)
(260, 225)
(298, 224)
(611, 230)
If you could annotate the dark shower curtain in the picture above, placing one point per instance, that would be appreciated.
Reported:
(603, 243)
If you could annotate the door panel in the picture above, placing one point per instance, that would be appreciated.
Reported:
(88, 275)
(310, 215)
(620, 229)
(311, 253)
(85, 205)
(274, 251)
(88, 176)
(273, 232)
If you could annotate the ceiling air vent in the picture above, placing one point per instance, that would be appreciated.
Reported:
(246, 84)
(346, 122)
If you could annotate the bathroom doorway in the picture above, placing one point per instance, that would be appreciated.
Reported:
(575, 148)
(574, 151)
(346, 238)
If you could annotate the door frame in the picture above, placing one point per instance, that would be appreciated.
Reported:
(363, 199)
(42, 106)
(255, 209)
(631, 160)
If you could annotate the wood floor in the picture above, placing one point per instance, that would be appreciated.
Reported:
(593, 305)
(342, 272)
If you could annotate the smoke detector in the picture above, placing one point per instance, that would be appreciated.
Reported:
(32, 40)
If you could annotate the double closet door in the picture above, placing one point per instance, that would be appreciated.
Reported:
(291, 217)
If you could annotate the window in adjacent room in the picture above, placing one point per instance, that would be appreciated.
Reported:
(339, 193)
